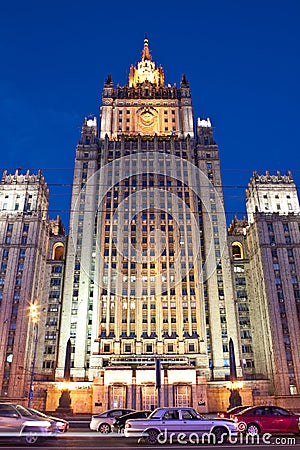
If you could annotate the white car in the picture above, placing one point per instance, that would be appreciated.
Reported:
(184, 425)
(104, 422)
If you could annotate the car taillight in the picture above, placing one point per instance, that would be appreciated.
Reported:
(127, 425)
(221, 415)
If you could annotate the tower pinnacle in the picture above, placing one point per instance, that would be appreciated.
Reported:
(146, 52)
(146, 70)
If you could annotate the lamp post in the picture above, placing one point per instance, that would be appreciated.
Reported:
(235, 386)
(235, 398)
(34, 319)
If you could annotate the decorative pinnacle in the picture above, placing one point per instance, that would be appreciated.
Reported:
(146, 52)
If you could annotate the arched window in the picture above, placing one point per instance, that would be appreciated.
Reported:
(237, 250)
(58, 251)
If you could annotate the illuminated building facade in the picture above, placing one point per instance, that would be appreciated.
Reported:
(23, 252)
(240, 266)
(148, 270)
(273, 239)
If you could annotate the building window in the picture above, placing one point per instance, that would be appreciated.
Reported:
(237, 250)
(191, 348)
(170, 348)
(149, 348)
(56, 269)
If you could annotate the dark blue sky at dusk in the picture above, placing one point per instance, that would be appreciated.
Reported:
(241, 59)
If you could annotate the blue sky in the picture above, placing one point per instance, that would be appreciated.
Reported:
(241, 59)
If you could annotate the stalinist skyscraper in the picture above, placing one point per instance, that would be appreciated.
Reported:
(147, 266)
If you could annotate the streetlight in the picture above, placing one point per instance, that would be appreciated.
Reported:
(235, 398)
(235, 385)
(34, 319)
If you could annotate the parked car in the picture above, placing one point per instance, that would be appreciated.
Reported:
(59, 425)
(267, 419)
(103, 422)
(230, 412)
(17, 421)
(166, 423)
(119, 423)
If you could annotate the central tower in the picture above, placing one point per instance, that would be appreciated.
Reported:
(145, 105)
(147, 267)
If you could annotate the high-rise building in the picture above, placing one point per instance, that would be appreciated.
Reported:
(240, 266)
(23, 253)
(273, 239)
(148, 272)
(151, 286)
(50, 303)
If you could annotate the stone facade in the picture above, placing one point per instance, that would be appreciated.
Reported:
(24, 230)
(149, 277)
(148, 271)
(273, 239)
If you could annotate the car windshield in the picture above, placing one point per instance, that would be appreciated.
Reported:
(155, 414)
(24, 411)
(37, 413)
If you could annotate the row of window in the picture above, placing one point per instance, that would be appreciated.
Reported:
(149, 348)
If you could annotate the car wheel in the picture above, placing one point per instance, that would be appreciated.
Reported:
(253, 429)
(30, 438)
(151, 436)
(221, 435)
(104, 428)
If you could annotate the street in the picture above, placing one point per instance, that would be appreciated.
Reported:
(86, 440)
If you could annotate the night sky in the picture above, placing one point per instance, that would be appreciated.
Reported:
(241, 59)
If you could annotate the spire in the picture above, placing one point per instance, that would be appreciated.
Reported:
(146, 70)
(184, 82)
(146, 52)
(108, 82)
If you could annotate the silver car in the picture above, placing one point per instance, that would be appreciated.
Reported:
(184, 425)
(104, 422)
(17, 421)
(59, 425)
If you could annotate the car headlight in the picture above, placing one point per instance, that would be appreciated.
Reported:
(60, 424)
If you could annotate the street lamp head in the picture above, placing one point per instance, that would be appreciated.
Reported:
(34, 313)
(235, 385)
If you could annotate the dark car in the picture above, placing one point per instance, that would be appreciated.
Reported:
(267, 419)
(230, 412)
(119, 424)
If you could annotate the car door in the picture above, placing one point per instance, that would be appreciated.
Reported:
(259, 416)
(283, 421)
(10, 420)
(191, 423)
(171, 422)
